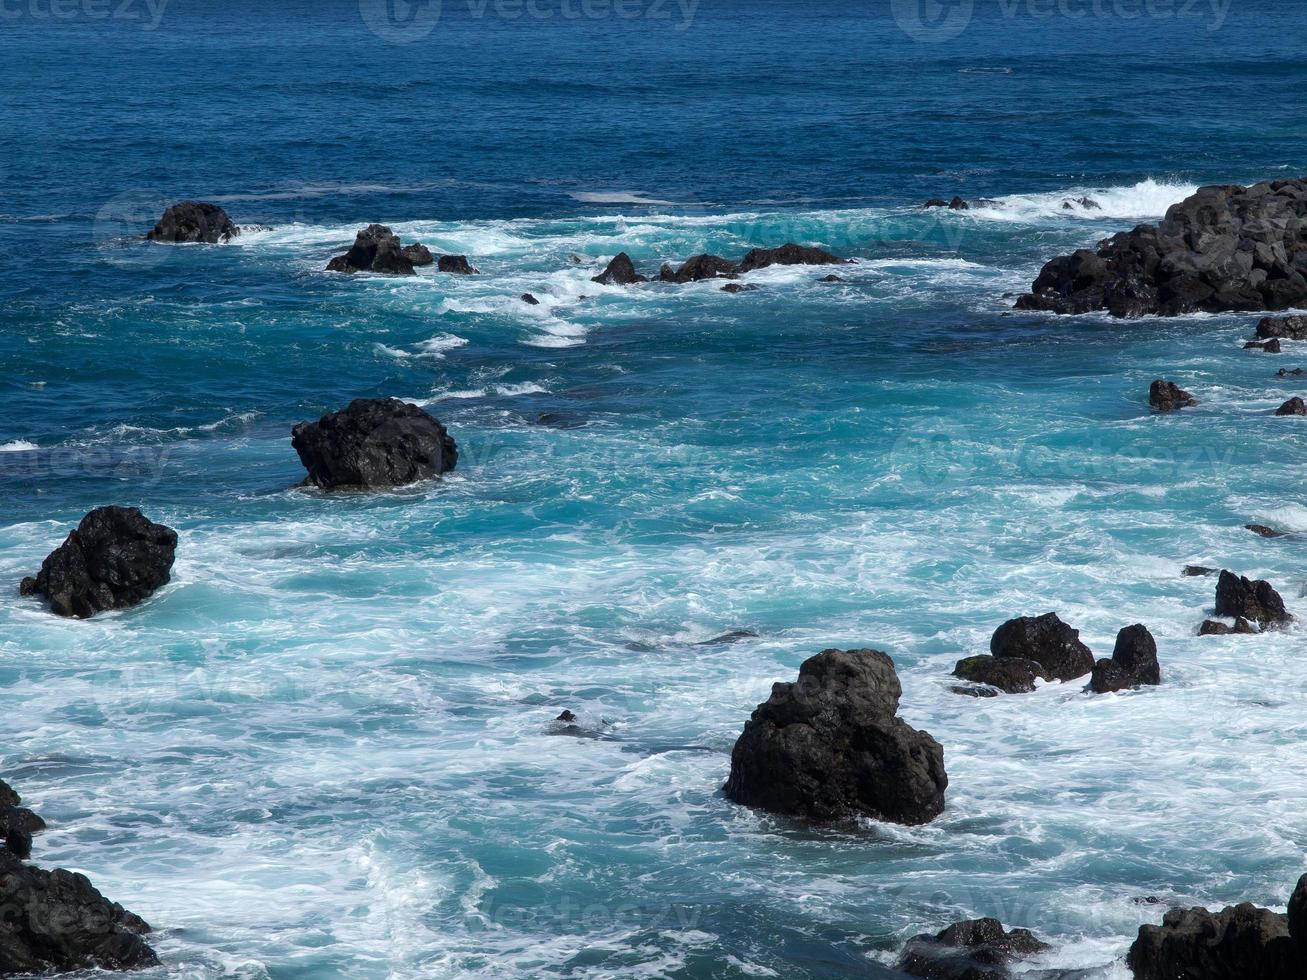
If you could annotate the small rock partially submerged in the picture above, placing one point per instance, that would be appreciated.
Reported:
(1255, 600)
(529, 300)
(456, 264)
(1166, 396)
(374, 442)
(115, 558)
(978, 949)
(1294, 406)
(699, 267)
(830, 747)
(620, 271)
(1265, 346)
(1133, 662)
(789, 254)
(1282, 328)
(1193, 570)
(376, 249)
(1266, 532)
(739, 287)
(734, 636)
(1214, 627)
(418, 254)
(1012, 675)
(956, 204)
(194, 221)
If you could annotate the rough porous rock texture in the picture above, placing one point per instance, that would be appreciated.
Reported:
(1294, 406)
(115, 558)
(788, 254)
(1255, 600)
(1241, 942)
(1046, 640)
(1282, 328)
(1213, 627)
(1010, 674)
(17, 823)
(194, 221)
(1225, 248)
(699, 267)
(978, 949)
(1133, 663)
(457, 264)
(829, 747)
(1165, 396)
(417, 253)
(374, 442)
(376, 249)
(619, 272)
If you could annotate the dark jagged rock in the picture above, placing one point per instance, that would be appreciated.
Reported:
(1255, 600)
(1286, 373)
(619, 272)
(1294, 406)
(979, 949)
(1265, 532)
(1192, 570)
(1046, 640)
(376, 249)
(829, 747)
(1010, 674)
(418, 254)
(1165, 396)
(194, 221)
(566, 717)
(374, 442)
(958, 204)
(530, 300)
(1087, 203)
(832, 278)
(17, 823)
(57, 921)
(699, 267)
(1133, 662)
(936, 202)
(734, 636)
(1297, 916)
(1282, 328)
(789, 254)
(1212, 627)
(739, 287)
(115, 558)
(1265, 346)
(456, 264)
(1223, 249)
(1241, 942)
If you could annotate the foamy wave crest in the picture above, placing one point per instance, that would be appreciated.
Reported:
(1144, 201)
(18, 446)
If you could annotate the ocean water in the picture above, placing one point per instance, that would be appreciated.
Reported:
(326, 749)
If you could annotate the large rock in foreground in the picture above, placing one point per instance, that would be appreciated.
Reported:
(1238, 596)
(979, 949)
(374, 442)
(1225, 248)
(1133, 663)
(376, 249)
(829, 747)
(115, 558)
(194, 221)
(788, 254)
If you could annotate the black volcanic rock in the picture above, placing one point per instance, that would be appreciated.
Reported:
(979, 949)
(1133, 662)
(1265, 346)
(1046, 640)
(374, 442)
(1010, 674)
(376, 249)
(619, 272)
(1241, 942)
(1165, 396)
(1282, 328)
(1194, 570)
(739, 287)
(456, 264)
(194, 221)
(699, 267)
(418, 254)
(1294, 406)
(1254, 600)
(115, 558)
(788, 254)
(1223, 249)
(17, 823)
(1261, 530)
(1212, 627)
(829, 747)
(529, 300)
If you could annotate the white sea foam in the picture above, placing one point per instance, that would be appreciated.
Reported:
(18, 446)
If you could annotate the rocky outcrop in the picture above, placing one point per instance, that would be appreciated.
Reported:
(1012, 675)
(1225, 248)
(1046, 640)
(17, 823)
(418, 254)
(1214, 627)
(788, 254)
(456, 264)
(1133, 662)
(1254, 600)
(1282, 328)
(1240, 942)
(194, 221)
(1165, 396)
(830, 747)
(1294, 406)
(978, 949)
(619, 272)
(1265, 346)
(374, 442)
(115, 558)
(699, 267)
(376, 249)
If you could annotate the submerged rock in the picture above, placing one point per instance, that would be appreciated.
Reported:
(566, 717)
(1046, 640)
(788, 254)
(1213, 627)
(1087, 203)
(619, 272)
(734, 636)
(1295, 372)
(194, 221)
(374, 442)
(739, 287)
(1294, 406)
(1133, 662)
(829, 747)
(1193, 570)
(1266, 532)
(376, 249)
(978, 949)
(699, 267)
(1265, 346)
(1282, 327)
(832, 278)
(529, 300)
(1254, 600)
(1012, 675)
(1166, 396)
(456, 264)
(115, 558)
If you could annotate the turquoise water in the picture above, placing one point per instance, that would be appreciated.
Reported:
(326, 748)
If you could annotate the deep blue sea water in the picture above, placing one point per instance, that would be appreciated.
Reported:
(326, 748)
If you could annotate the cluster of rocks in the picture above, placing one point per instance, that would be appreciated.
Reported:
(378, 249)
(621, 270)
(1246, 601)
(1223, 249)
(56, 921)
(830, 747)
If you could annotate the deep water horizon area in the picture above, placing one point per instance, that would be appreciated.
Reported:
(328, 748)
